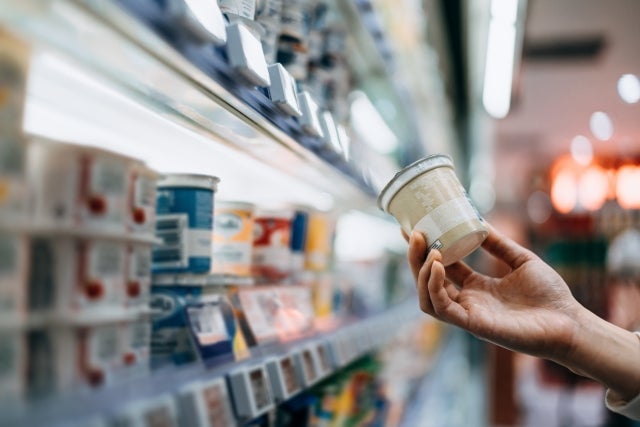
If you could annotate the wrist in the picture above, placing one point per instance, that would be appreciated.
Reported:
(604, 352)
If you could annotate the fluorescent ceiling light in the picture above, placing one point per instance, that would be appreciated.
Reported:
(370, 126)
(629, 88)
(498, 75)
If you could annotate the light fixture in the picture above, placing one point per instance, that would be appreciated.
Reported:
(627, 184)
(601, 126)
(593, 187)
(563, 191)
(500, 57)
(629, 88)
(539, 207)
(369, 125)
(581, 150)
(68, 104)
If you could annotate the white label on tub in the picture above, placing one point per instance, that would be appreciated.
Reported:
(140, 264)
(243, 8)
(179, 242)
(107, 259)
(445, 217)
(109, 177)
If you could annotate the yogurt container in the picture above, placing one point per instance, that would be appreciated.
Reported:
(233, 238)
(299, 226)
(142, 208)
(184, 223)
(138, 284)
(319, 242)
(427, 196)
(271, 244)
(72, 185)
(135, 347)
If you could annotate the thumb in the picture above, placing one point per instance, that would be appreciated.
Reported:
(506, 249)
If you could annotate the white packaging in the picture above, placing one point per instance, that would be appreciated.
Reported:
(205, 404)
(142, 212)
(101, 276)
(138, 271)
(136, 347)
(251, 391)
(246, 55)
(157, 412)
(71, 185)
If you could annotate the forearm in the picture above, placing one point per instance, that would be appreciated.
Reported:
(605, 353)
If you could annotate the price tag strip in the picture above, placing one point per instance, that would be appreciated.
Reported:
(205, 404)
(157, 412)
(251, 391)
(284, 378)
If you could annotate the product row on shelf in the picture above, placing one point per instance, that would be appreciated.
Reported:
(284, 54)
(239, 392)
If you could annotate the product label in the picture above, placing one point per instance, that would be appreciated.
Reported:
(208, 323)
(109, 178)
(243, 8)
(259, 389)
(227, 225)
(179, 242)
(106, 259)
(308, 366)
(103, 345)
(140, 264)
(445, 217)
(216, 403)
(289, 375)
(144, 193)
(107, 192)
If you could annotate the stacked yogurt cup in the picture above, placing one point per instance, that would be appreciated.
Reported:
(77, 269)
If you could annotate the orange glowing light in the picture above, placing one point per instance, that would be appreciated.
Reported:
(628, 187)
(563, 191)
(593, 187)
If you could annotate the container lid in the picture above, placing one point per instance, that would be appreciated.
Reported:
(408, 173)
(234, 204)
(188, 180)
(279, 213)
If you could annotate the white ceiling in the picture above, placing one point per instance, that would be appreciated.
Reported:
(554, 99)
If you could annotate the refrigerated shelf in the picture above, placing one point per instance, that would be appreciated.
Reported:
(346, 343)
(103, 39)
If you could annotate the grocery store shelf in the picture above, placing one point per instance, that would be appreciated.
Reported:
(345, 344)
(103, 39)
(35, 229)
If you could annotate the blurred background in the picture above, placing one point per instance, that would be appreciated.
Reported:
(189, 231)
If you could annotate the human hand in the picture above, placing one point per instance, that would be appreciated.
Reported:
(530, 309)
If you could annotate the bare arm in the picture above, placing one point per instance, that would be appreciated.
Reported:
(530, 310)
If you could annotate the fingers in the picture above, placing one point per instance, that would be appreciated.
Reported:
(417, 253)
(422, 279)
(405, 235)
(506, 249)
(438, 297)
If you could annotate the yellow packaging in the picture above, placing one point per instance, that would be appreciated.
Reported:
(14, 71)
(319, 242)
(232, 238)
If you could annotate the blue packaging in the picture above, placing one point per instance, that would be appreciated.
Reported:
(171, 341)
(184, 223)
(298, 241)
